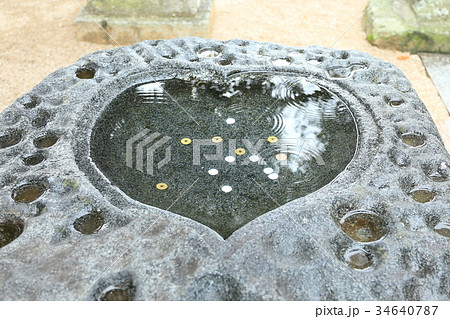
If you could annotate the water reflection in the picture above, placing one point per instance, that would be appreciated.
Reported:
(281, 137)
(151, 92)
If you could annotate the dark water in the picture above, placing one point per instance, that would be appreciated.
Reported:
(282, 137)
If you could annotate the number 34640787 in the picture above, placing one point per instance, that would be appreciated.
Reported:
(407, 310)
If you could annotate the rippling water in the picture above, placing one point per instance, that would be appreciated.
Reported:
(271, 139)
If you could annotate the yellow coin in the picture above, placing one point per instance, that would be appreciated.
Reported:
(281, 157)
(240, 151)
(272, 139)
(186, 141)
(217, 139)
(162, 186)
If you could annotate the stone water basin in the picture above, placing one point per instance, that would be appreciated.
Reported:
(194, 169)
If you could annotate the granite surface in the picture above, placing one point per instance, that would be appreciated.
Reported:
(379, 231)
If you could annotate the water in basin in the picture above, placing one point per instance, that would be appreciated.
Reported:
(224, 153)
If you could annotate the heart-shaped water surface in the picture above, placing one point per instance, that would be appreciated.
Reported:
(227, 152)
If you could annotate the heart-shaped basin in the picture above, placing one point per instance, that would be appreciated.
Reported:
(224, 153)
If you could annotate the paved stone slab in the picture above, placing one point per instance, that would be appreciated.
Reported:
(379, 230)
(144, 8)
(409, 25)
(438, 67)
(130, 21)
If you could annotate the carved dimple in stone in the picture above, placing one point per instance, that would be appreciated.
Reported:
(439, 171)
(341, 72)
(10, 139)
(28, 193)
(363, 226)
(41, 119)
(11, 227)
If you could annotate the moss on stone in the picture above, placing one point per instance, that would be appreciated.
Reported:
(386, 28)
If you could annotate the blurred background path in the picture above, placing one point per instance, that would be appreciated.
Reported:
(38, 37)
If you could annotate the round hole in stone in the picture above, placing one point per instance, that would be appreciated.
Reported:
(438, 171)
(443, 229)
(90, 223)
(11, 227)
(34, 159)
(413, 139)
(282, 98)
(343, 55)
(281, 62)
(358, 258)
(208, 53)
(422, 194)
(296, 53)
(113, 293)
(30, 102)
(28, 193)
(85, 73)
(169, 55)
(396, 102)
(10, 139)
(316, 61)
(45, 141)
(398, 157)
(363, 226)
(41, 119)
(225, 62)
(241, 43)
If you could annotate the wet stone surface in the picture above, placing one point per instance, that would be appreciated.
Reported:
(10, 139)
(363, 226)
(315, 140)
(115, 294)
(28, 193)
(11, 227)
(358, 258)
(89, 223)
(319, 175)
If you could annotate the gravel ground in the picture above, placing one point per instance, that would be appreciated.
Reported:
(38, 37)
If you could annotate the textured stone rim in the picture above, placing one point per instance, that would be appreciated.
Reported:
(381, 177)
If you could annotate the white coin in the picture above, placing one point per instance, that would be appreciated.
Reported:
(213, 171)
(227, 188)
(230, 159)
